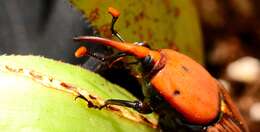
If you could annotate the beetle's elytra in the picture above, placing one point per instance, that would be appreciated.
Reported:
(185, 96)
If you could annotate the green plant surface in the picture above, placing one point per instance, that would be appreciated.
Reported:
(30, 103)
(161, 23)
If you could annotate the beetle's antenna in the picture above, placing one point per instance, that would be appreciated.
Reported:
(83, 51)
(115, 14)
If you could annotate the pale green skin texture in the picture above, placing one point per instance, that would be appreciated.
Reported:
(29, 106)
(177, 22)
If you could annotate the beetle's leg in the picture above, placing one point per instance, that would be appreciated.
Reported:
(133, 63)
(139, 106)
(114, 32)
(119, 56)
(90, 104)
(111, 58)
(116, 56)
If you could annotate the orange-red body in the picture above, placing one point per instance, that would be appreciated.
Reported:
(186, 86)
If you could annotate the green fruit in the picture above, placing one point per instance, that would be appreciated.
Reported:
(34, 97)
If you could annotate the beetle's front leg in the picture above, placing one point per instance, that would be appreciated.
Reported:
(141, 107)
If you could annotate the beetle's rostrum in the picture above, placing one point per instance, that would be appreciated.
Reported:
(185, 96)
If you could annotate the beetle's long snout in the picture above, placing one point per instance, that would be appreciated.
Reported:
(136, 50)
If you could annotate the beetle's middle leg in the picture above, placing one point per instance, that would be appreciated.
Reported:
(141, 107)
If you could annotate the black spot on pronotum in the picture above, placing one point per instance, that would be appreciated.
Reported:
(176, 93)
(185, 68)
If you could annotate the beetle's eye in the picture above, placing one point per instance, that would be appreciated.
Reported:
(147, 63)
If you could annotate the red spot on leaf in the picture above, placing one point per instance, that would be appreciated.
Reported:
(172, 45)
(127, 23)
(93, 15)
(177, 11)
(139, 17)
(105, 31)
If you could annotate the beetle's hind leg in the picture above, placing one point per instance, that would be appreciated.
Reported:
(139, 106)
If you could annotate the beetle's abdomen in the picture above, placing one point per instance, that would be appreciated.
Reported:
(188, 88)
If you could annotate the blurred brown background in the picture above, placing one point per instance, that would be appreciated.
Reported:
(231, 31)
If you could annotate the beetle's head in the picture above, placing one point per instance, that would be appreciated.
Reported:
(149, 58)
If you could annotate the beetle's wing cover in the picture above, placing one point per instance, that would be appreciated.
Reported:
(232, 121)
(188, 87)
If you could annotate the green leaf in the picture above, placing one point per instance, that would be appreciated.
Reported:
(38, 94)
(162, 23)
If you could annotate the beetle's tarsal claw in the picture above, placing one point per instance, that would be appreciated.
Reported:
(103, 106)
(80, 96)
(76, 97)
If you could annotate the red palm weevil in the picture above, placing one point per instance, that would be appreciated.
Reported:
(184, 95)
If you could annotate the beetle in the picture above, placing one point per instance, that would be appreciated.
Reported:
(184, 95)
